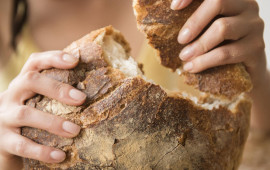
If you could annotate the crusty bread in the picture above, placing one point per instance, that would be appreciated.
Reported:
(162, 26)
(129, 123)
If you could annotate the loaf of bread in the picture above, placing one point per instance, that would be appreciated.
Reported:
(162, 26)
(130, 123)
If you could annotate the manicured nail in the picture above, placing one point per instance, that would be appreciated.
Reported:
(77, 95)
(176, 4)
(71, 127)
(69, 59)
(184, 36)
(58, 155)
(187, 53)
(188, 66)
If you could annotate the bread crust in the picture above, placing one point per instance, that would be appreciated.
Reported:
(162, 25)
(128, 123)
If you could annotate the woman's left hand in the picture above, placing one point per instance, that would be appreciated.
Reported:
(240, 26)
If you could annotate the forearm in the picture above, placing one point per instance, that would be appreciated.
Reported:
(260, 115)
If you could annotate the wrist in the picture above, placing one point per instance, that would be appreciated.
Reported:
(261, 82)
(260, 114)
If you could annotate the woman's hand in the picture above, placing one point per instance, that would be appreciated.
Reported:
(14, 114)
(235, 37)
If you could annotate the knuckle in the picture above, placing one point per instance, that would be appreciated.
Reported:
(254, 6)
(31, 76)
(59, 87)
(20, 147)
(21, 113)
(217, 3)
(193, 25)
(203, 46)
(260, 24)
(222, 26)
(198, 63)
(50, 126)
(259, 45)
(42, 153)
(33, 56)
(223, 55)
(39, 153)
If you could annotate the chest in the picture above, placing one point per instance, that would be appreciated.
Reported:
(56, 27)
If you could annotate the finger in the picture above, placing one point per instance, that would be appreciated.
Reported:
(49, 59)
(27, 116)
(230, 28)
(33, 82)
(237, 52)
(208, 10)
(16, 144)
(180, 4)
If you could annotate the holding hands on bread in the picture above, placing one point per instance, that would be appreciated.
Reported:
(240, 27)
(14, 114)
(234, 34)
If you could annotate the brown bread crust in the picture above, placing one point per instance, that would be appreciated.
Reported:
(128, 123)
(227, 81)
(162, 25)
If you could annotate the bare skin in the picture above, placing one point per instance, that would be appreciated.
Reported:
(14, 114)
(55, 23)
(72, 19)
(52, 20)
(243, 27)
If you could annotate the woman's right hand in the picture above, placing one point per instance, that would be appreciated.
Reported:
(14, 114)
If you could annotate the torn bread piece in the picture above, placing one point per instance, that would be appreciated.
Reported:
(161, 25)
(130, 123)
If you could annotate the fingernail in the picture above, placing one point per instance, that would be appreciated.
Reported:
(58, 155)
(71, 127)
(188, 66)
(184, 36)
(176, 4)
(77, 95)
(187, 53)
(69, 59)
